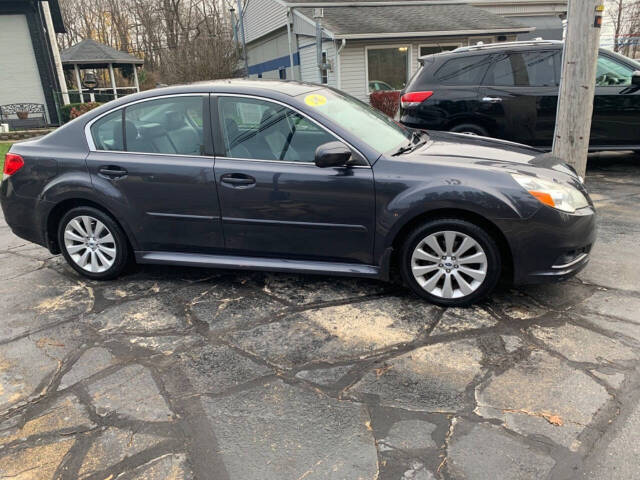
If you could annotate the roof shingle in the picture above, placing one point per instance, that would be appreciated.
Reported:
(89, 51)
(345, 21)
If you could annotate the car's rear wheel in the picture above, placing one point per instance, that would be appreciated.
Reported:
(92, 243)
(470, 129)
(450, 262)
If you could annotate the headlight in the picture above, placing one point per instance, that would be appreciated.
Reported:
(563, 197)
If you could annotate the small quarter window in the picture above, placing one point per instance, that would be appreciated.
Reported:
(107, 132)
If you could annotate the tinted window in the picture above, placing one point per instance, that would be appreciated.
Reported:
(541, 68)
(525, 69)
(107, 132)
(612, 73)
(262, 130)
(464, 70)
(172, 125)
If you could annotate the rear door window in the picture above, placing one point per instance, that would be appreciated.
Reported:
(171, 126)
(536, 69)
(467, 70)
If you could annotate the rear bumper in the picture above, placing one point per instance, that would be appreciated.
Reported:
(24, 215)
(551, 246)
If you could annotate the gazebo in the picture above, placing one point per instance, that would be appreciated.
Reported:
(91, 55)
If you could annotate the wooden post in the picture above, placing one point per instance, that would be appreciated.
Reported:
(577, 83)
(78, 81)
(113, 81)
(136, 82)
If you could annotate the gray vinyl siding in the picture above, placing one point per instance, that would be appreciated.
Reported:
(270, 47)
(262, 17)
(309, 60)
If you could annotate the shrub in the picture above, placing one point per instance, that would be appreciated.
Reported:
(387, 101)
(74, 110)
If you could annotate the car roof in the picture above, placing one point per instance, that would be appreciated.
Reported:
(238, 85)
(491, 47)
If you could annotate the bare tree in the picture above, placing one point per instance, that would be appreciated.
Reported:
(180, 40)
(625, 18)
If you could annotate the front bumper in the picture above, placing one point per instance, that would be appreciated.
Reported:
(551, 245)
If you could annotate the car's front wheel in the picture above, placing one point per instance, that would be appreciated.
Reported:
(450, 262)
(92, 243)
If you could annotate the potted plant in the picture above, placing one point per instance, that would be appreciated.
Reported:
(22, 115)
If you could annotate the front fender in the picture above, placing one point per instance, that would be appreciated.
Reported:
(428, 195)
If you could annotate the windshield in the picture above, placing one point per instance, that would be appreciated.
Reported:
(358, 118)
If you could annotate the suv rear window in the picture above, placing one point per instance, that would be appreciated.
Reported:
(464, 70)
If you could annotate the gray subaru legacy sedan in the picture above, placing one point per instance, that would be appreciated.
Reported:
(295, 177)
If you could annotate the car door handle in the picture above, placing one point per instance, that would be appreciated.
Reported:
(237, 179)
(491, 99)
(112, 171)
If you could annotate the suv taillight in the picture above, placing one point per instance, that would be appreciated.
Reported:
(413, 99)
(12, 163)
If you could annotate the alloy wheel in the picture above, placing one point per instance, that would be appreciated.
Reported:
(449, 264)
(90, 244)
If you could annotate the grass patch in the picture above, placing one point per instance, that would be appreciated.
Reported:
(4, 148)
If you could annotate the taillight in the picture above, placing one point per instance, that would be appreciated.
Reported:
(12, 163)
(413, 99)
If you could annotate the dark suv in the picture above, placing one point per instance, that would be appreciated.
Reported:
(510, 91)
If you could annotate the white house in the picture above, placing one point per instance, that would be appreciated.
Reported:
(29, 54)
(372, 44)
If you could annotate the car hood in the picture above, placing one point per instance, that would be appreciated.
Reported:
(484, 151)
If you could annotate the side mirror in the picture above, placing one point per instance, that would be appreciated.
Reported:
(635, 78)
(332, 154)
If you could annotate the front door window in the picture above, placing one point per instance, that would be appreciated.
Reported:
(262, 130)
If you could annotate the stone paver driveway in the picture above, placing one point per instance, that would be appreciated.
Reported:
(174, 373)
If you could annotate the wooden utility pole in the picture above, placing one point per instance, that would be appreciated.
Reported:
(577, 83)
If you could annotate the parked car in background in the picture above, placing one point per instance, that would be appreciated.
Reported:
(377, 85)
(295, 177)
(510, 91)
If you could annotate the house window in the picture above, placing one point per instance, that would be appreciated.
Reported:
(282, 73)
(387, 67)
(325, 72)
(437, 48)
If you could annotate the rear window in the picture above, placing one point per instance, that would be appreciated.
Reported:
(464, 70)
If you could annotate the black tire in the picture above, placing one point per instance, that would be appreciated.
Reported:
(470, 128)
(122, 249)
(486, 242)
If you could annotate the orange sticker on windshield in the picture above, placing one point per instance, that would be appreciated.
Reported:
(315, 100)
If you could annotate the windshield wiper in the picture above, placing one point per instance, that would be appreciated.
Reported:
(403, 149)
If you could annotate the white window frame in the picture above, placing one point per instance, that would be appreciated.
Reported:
(380, 47)
(439, 44)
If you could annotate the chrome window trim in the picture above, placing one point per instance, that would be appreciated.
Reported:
(87, 127)
(301, 113)
(286, 162)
